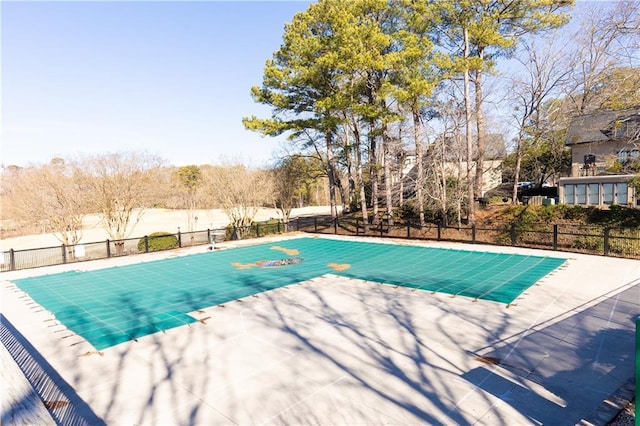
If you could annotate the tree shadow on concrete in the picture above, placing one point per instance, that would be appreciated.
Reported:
(561, 370)
(388, 350)
(390, 362)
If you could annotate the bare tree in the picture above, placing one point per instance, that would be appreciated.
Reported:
(352, 125)
(608, 37)
(389, 148)
(122, 185)
(189, 181)
(437, 176)
(544, 74)
(289, 180)
(446, 180)
(12, 218)
(346, 159)
(240, 192)
(55, 194)
(453, 117)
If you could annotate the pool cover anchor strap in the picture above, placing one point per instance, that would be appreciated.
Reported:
(114, 305)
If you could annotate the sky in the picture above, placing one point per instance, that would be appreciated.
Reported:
(171, 79)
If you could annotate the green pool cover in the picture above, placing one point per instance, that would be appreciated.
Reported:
(117, 304)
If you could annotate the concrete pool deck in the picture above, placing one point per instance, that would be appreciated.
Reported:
(335, 350)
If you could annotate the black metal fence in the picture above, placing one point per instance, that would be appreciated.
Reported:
(13, 260)
(615, 242)
(564, 237)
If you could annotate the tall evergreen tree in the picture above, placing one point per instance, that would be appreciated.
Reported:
(476, 32)
(300, 81)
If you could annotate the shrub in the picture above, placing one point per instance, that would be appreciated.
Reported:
(623, 216)
(270, 227)
(408, 212)
(239, 233)
(159, 241)
(625, 242)
(589, 243)
(499, 200)
(256, 229)
(229, 233)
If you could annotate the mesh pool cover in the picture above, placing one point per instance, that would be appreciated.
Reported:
(114, 305)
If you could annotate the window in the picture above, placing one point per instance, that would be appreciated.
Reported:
(607, 193)
(623, 156)
(594, 194)
(581, 194)
(568, 194)
(628, 155)
(621, 193)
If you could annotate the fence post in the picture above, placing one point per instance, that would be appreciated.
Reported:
(64, 254)
(555, 236)
(12, 260)
(179, 239)
(380, 227)
(606, 241)
(108, 248)
(513, 234)
(408, 230)
(257, 230)
(473, 233)
(335, 225)
(439, 232)
(315, 224)
(146, 244)
(208, 235)
(279, 228)
(637, 366)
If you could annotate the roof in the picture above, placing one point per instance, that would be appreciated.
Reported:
(598, 126)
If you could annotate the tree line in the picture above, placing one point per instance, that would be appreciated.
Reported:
(394, 97)
(120, 187)
(388, 105)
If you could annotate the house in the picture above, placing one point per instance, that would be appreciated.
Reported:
(452, 165)
(491, 178)
(602, 144)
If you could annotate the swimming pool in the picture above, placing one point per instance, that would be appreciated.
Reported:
(114, 305)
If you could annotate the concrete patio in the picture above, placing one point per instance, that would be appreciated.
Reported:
(334, 350)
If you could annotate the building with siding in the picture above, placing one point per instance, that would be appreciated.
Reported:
(602, 141)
